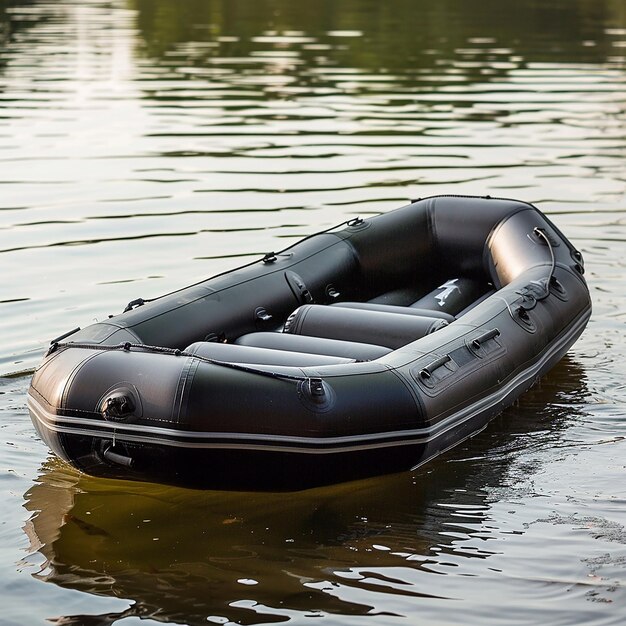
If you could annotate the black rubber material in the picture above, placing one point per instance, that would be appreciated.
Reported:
(452, 296)
(260, 356)
(314, 345)
(391, 330)
(390, 308)
(121, 398)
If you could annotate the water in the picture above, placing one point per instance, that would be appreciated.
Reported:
(146, 144)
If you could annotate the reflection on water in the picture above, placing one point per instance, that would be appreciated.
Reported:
(146, 144)
(183, 556)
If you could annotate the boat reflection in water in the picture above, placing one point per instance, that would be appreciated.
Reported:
(190, 556)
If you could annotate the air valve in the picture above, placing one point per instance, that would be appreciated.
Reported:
(118, 407)
(120, 403)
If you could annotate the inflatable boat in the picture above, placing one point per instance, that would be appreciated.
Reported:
(368, 348)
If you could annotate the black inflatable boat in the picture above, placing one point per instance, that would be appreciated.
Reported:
(366, 349)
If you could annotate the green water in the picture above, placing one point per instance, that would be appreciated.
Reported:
(146, 144)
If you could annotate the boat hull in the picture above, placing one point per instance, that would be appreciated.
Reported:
(117, 401)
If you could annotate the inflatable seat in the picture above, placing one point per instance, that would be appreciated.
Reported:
(233, 353)
(391, 330)
(313, 345)
(454, 297)
(390, 308)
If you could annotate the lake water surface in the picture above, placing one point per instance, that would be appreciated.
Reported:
(147, 144)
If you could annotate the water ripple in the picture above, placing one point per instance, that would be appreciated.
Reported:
(147, 144)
